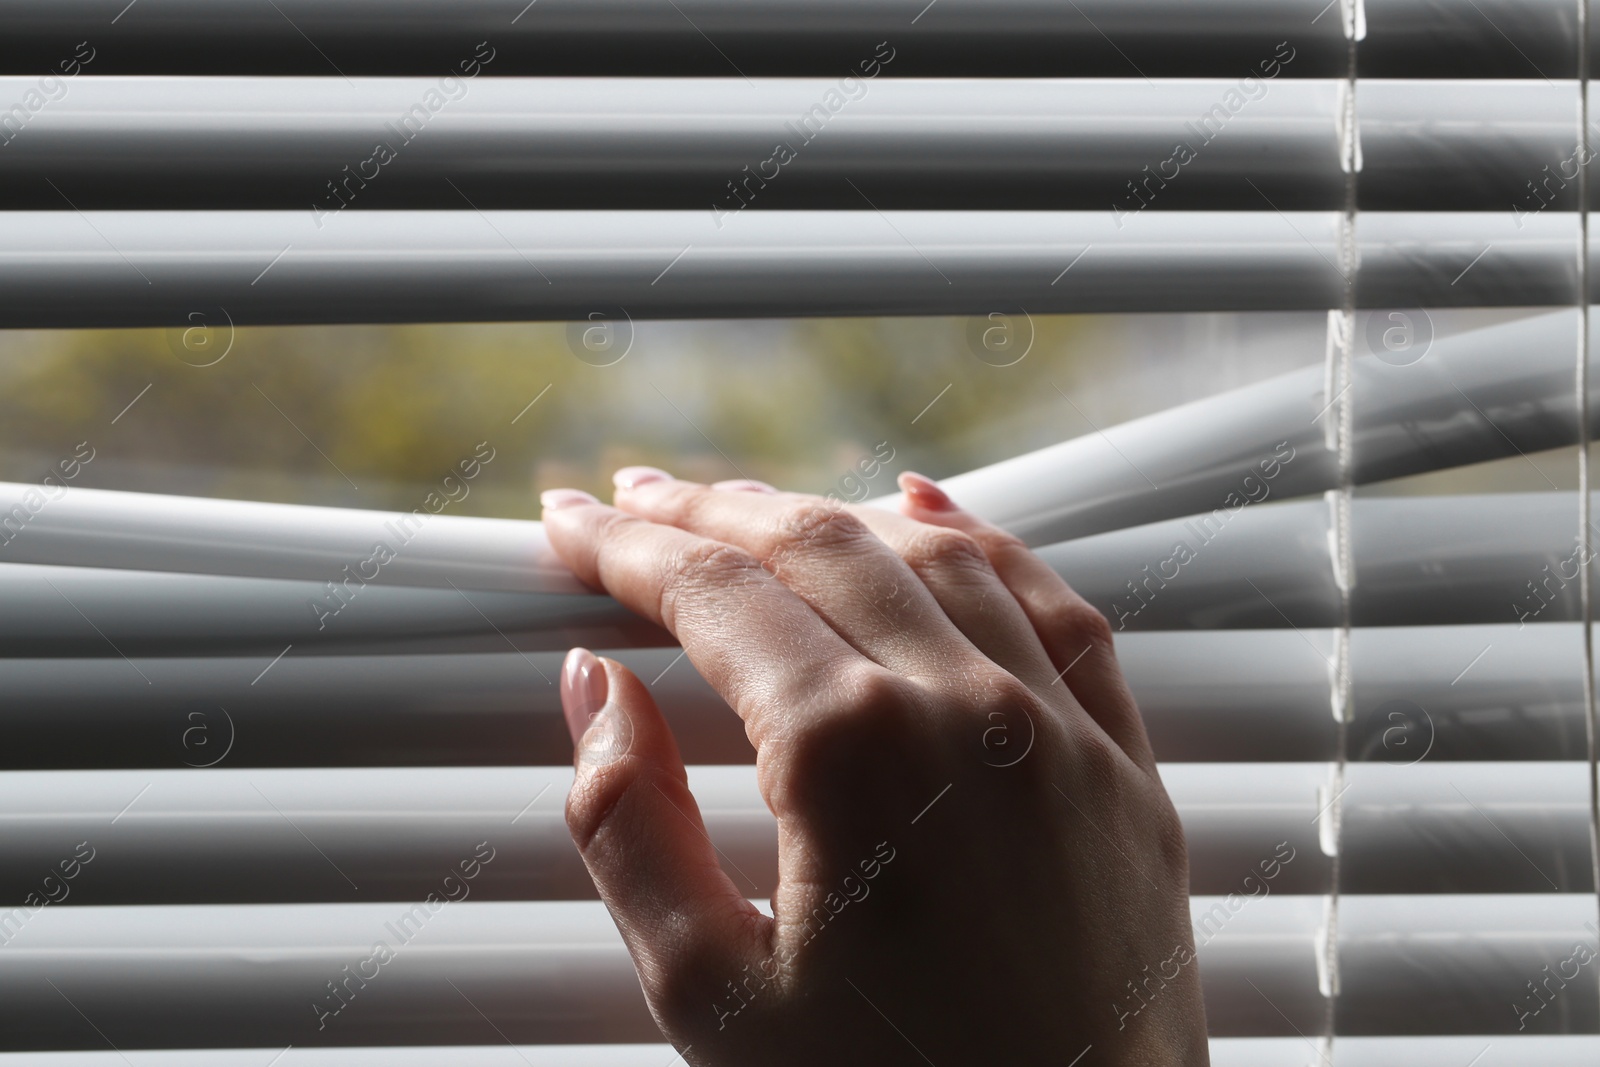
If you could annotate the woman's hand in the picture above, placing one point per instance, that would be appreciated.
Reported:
(977, 861)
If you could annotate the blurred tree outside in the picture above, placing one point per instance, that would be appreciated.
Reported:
(375, 416)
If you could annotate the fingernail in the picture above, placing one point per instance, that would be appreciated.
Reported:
(555, 499)
(743, 485)
(583, 691)
(634, 477)
(925, 492)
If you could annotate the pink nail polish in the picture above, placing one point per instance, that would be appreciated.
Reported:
(925, 492)
(583, 690)
(555, 499)
(634, 477)
(743, 485)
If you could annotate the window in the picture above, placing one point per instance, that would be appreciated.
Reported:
(1265, 321)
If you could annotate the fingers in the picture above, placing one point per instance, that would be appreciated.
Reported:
(730, 615)
(1075, 635)
(827, 555)
(641, 836)
(957, 572)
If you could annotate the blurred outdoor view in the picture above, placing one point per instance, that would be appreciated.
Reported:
(376, 416)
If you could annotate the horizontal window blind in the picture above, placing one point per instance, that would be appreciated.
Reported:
(237, 832)
(272, 759)
(154, 268)
(1224, 696)
(1004, 38)
(1039, 143)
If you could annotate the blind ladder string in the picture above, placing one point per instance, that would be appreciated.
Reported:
(1585, 534)
(1340, 379)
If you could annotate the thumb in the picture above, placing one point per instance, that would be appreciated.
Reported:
(689, 928)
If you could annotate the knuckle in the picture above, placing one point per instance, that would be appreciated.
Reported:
(689, 505)
(941, 547)
(612, 525)
(1001, 694)
(820, 523)
(998, 540)
(1098, 759)
(841, 747)
(614, 534)
(1013, 720)
(873, 690)
(1171, 844)
(1077, 618)
(595, 799)
(704, 565)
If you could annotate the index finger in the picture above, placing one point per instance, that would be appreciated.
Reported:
(759, 645)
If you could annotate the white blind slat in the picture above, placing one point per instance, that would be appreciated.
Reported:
(376, 266)
(363, 834)
(1206, 696)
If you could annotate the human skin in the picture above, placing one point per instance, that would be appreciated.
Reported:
(977, 861)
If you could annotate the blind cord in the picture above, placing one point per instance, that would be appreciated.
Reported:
(1585, 538)
(1341, 372)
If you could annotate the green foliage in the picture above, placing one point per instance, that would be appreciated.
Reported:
(305, 413)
